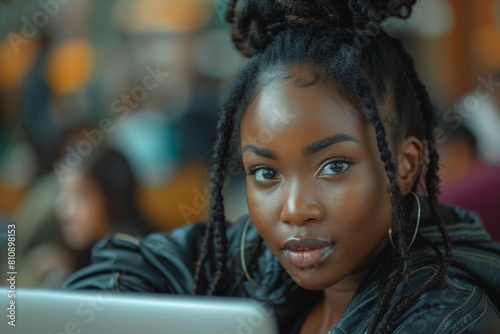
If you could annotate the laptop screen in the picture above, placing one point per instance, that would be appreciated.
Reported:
(79, 312)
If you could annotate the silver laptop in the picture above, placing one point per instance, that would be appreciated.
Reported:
(99, 312)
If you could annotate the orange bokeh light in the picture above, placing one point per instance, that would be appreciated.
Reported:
(70, 66)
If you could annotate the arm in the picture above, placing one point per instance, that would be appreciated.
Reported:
(158, 263)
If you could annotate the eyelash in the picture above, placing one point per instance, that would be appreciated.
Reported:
(338, 159)
(255, 169)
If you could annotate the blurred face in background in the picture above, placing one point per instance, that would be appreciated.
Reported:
(82, 212)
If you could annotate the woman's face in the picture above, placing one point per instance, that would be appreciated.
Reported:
(81, 208)
(316, 188)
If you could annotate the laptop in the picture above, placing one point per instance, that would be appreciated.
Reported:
(99, 312)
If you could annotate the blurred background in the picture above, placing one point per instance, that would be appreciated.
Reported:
(108, 112)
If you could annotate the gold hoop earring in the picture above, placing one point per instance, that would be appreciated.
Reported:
(242, 255)
(416, 227)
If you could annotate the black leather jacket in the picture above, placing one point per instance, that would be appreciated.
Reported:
(466, 302)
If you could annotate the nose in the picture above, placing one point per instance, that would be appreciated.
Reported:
(300, 206)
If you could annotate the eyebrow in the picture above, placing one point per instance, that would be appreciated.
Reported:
(324, 143)
(260, 151)
(309, 150)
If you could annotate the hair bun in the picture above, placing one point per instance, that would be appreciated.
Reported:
(256, 22)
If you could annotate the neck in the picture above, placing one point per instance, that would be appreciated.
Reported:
(338, 297)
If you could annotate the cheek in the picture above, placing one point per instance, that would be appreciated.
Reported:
(264, 209)
(90, 216)
(259, 207)
(87, 211)
(363, 198)
(361, 209)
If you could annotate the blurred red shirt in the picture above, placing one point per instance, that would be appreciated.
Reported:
(479, 191)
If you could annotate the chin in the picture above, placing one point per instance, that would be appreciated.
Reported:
(312, 279)
(77, 244)
(312, 285)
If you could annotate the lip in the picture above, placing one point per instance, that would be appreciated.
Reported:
(307, 252)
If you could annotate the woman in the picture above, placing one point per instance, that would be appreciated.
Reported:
(96, 200)
(335, 131)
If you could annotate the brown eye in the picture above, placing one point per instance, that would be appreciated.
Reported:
(335, 167)
(263, 174)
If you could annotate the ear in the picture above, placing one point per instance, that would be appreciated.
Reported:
(409, 163)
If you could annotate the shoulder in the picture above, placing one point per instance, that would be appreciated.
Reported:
(160, 262)
(457, 306)
(467, 300)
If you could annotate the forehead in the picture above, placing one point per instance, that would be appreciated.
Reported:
(299, 102)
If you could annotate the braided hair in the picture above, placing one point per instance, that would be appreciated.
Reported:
(325, 36)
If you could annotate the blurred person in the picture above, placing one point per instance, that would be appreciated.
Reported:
(467, 180)
(479, 110)
(458, 153)
(99, 199)
(95, 199)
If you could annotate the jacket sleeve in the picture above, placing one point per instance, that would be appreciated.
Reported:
(158, 263)
(489, 322)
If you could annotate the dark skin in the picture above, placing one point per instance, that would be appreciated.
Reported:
(314, 171)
